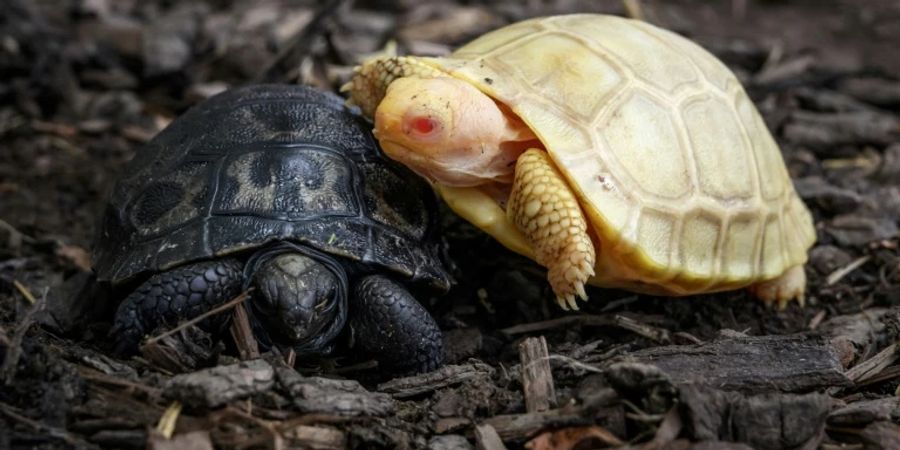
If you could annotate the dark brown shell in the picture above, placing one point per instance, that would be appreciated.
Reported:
(262, 164)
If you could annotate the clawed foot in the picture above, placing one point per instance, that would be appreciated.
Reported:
(568, 275)
(791, 285)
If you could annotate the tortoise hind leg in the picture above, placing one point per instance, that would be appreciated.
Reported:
(176, 295)
(392, 326)
(789, 286)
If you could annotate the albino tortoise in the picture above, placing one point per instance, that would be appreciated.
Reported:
(611, 151)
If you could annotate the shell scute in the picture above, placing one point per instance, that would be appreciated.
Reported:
(699, 243)
(740, 250)
(724, 167)
(643, 55)
(578, 79)
(642, 137)
(773, 176)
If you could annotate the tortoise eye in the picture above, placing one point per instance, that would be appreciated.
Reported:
(422, 126)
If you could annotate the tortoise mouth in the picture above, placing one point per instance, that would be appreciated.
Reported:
(434, 170)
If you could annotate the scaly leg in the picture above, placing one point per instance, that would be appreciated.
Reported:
(179, 294)
(393, 327)
(547, 212)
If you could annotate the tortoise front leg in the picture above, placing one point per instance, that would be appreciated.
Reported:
(173, 296)
(389, 324)
(546, 211)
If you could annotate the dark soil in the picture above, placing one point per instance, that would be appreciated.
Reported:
(85, 82)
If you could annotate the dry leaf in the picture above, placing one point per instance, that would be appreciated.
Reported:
(75, 255)
(568, 438)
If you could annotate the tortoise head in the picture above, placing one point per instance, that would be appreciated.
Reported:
(448, 131)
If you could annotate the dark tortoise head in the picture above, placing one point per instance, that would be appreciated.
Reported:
(262, 164)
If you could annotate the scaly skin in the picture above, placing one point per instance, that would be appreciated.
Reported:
(370, 80)
(476, 145)
(791, 285)
(546, 211)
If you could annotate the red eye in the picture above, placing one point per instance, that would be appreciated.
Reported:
(423, 125)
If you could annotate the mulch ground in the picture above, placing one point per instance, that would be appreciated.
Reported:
(86, 82)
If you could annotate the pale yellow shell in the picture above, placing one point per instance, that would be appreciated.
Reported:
(684, 185)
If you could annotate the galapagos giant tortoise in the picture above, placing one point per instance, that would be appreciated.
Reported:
(283, 189)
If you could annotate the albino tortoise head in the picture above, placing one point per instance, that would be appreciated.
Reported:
(448, 131)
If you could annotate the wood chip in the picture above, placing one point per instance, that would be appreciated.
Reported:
(486, 438)
(762, 421)
(874, 365)
(519, 427)
(166, 425)
(537, 377)
(865, 412)
(449, 442)
(881, 435)
(219, 385)
(317, 395)
(316, 437)
(852, 332)
(760, 363)
(825, 130)
(427, 382)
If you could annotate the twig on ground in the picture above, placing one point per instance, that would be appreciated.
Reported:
(886, 374)
(842, 272)
(575, 363)
(581, 319)
(689, 337)
(63, 435)
(817, 319)
(24, 291)
(90, 374)
(14, 347)
(655, 334)
(223, 307)
(242, 333)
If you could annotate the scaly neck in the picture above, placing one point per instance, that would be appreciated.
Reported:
(370, 80)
